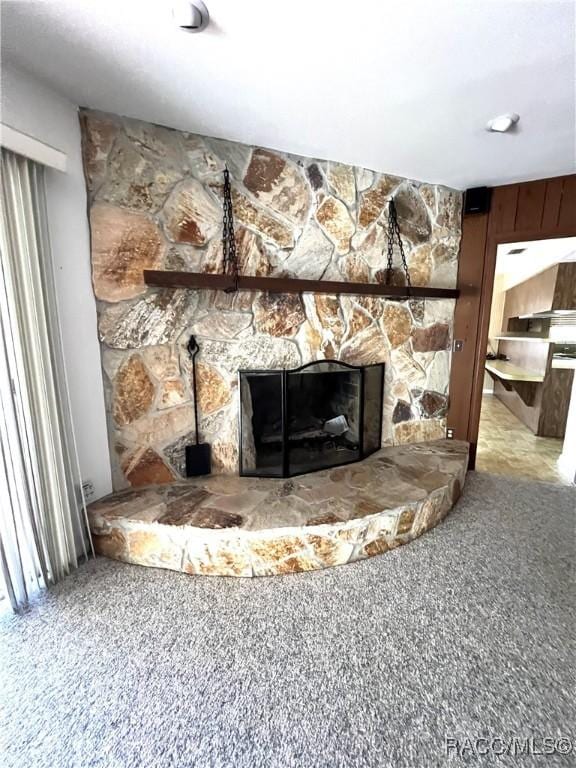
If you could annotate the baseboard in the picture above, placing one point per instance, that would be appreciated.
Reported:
(566, 467)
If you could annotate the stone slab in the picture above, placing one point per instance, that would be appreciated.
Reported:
(239, 526)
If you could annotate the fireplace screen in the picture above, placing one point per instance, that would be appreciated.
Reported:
(321, 415)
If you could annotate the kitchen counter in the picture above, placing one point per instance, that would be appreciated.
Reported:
(507, 371)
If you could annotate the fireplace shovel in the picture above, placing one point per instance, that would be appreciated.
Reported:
(198, 459)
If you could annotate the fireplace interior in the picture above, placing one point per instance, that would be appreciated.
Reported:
(321, 415)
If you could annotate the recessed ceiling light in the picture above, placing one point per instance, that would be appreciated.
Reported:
(502, 123)
(190, 16)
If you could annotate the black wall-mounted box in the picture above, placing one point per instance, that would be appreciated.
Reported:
(477, 200)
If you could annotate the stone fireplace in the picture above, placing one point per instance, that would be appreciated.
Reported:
(303, 372)
(321, 415)
(155, 203)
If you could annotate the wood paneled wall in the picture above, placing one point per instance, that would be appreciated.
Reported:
(533, 210)
(565, 291)
(556, 392)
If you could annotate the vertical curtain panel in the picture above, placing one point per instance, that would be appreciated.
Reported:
(43, 525)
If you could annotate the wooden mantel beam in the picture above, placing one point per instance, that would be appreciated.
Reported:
(195, 280)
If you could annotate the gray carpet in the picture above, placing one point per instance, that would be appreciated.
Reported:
(466, 632)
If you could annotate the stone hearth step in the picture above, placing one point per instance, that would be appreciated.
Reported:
(224, 525)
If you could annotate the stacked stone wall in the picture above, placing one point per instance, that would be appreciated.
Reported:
(155, 203)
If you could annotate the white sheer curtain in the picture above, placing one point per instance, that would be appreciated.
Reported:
(43, 525)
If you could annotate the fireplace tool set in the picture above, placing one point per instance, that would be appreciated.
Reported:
(198, 455)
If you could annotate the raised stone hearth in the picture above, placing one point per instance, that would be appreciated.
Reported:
(238, 526)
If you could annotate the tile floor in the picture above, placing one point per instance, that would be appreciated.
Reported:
(507, 447)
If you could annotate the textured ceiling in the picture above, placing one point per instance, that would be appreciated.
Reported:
(403, 87)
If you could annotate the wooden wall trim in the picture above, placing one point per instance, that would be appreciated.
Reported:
(466, 314)
(532, 210)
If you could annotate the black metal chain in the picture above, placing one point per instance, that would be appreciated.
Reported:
(394, 234)
(230, 265)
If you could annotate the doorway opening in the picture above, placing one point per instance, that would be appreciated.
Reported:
(528, 412)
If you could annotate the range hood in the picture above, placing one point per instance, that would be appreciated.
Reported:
(560, 315)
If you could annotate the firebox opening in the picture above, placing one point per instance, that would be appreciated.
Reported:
(311, 418)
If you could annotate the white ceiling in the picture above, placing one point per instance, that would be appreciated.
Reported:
(403, 86)
(514, 268)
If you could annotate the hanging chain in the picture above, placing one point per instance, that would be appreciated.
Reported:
(394, 234)
(230, 265)
(389, 268)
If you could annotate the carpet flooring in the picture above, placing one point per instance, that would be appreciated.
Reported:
(467, 632)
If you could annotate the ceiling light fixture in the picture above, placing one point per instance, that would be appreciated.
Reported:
(191, 17)
(502, 123)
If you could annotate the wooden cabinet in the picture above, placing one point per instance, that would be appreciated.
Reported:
(533, 295)
(541, 404)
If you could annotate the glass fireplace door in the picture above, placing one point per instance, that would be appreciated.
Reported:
(323, 416)
(262, 445)
(318, 416)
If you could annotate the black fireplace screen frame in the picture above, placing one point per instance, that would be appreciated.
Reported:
(284, 373)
